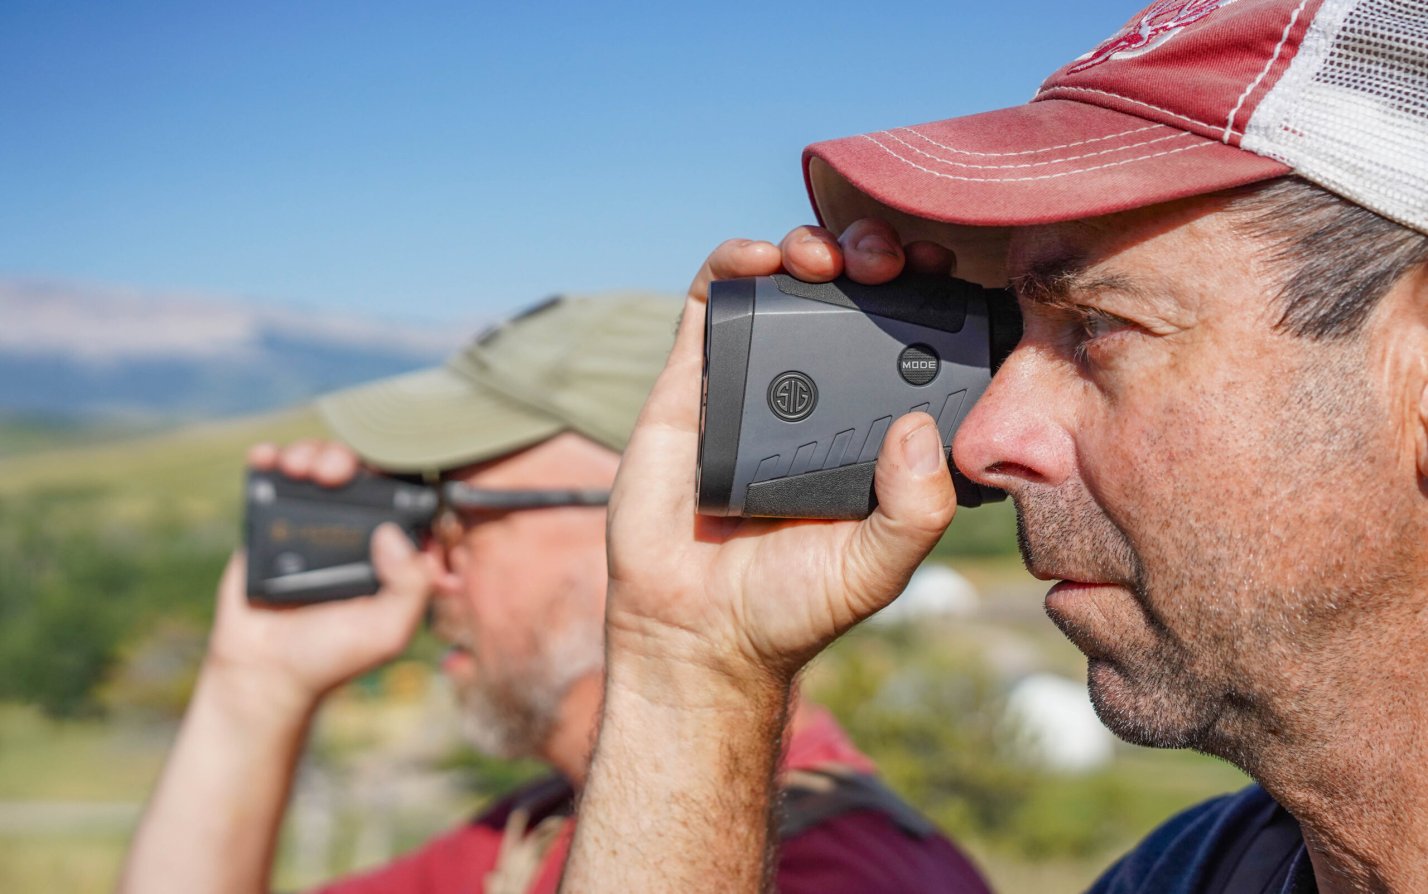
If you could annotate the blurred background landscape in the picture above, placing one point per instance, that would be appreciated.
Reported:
(119, 505)
(213, 215)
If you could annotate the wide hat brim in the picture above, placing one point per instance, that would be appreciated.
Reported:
(431, 420)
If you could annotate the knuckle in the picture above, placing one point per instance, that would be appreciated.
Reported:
(926, 522)
(934, 523)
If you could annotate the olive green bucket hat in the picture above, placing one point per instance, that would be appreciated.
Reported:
(582, 364)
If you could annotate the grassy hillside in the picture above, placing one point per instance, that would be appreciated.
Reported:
(27, 433)
(193, 471)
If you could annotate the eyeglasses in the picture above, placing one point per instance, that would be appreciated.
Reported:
(465, 505)
(459, 496)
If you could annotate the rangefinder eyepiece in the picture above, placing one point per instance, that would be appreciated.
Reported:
(802, 380)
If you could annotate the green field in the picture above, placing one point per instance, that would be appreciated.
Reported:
(109, 552)
(197, 467)
(26, 433)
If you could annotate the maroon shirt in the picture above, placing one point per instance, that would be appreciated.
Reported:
(861, 851)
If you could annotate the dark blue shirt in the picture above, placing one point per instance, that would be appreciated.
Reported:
(1243, 843)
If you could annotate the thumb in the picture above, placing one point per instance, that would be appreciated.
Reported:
(232, 587)
(916, 502)
(403, 570)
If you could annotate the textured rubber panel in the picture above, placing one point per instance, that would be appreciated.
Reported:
(728, 324)
(845, 492)
(842, 493)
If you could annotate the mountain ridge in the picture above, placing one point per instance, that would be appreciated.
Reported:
(77, 351)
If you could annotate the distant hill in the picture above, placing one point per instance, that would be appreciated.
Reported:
(80, 352)
(193, 470)
(34, 432)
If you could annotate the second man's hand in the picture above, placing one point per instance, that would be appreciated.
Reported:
(212, 823)
(303, 652)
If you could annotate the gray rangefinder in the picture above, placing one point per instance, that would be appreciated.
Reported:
(802, 381)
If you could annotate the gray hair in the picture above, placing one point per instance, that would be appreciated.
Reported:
(1335, 259)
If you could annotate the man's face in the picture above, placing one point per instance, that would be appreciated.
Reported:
(523, 604)
(1197, 480)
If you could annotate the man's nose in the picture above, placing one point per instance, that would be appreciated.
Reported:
(1016, 433)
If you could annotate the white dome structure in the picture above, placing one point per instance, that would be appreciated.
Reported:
(1061, 727)
(934, 591)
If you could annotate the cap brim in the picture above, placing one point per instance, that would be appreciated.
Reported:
(1043, 162)
(431, 420)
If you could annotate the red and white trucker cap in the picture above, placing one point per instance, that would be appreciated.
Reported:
(1188, 97)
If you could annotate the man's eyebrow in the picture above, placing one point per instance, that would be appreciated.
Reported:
(1056, 280)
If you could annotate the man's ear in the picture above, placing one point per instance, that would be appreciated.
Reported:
(1421, 426)
(1397, 333)
(1416, 298)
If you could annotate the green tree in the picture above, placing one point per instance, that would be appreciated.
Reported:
(75, 585)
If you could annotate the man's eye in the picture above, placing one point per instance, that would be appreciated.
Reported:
(1093, 325)
(1097, 324)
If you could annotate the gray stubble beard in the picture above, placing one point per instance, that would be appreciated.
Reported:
(1228, 684)
(513, 713)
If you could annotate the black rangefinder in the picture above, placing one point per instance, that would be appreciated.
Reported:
(309, 543)
(802, 381)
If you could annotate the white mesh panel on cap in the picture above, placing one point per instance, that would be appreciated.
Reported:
(1351, 112)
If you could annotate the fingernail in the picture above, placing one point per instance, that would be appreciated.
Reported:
(818, 250)
(329, 465)
(875, 244)
(922, 451)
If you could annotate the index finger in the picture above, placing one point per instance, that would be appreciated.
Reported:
(735, 258)
(263, 456)
(872, 252)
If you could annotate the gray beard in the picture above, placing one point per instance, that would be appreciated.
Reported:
(513, 712)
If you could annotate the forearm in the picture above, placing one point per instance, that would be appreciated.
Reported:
(213, 820)
(681, 783)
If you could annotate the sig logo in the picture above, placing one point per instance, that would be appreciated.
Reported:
(918, 364)
(792, 396)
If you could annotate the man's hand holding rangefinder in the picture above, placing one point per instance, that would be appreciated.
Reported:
(227, 779)
(302, 652)
(710, 619)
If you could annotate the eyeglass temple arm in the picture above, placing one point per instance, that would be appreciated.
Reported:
(459, 495)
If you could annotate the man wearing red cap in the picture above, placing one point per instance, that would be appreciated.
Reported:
(1215, 430)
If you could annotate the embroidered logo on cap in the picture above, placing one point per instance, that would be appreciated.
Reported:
(1157, 24)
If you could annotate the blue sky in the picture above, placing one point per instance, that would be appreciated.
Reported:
(445, 161)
